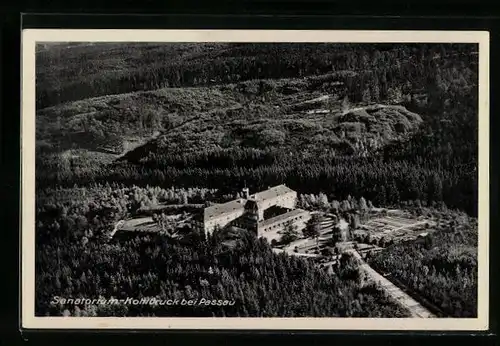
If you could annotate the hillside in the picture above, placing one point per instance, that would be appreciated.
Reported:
(229, 115)
(104, 68)
(115, 68)
(391, 122)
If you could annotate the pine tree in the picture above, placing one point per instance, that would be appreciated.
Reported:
(290, 233)
(366, 98)
(375, 92)
(363, 207)
(323, 200)
(345, 104)
(313, 227)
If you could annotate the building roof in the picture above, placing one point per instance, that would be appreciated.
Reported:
(283, 217)
(218, 210)
(273, 192)
(224, 208)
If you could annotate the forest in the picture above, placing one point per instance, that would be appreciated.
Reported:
(443, 269)
(395, 124)
(253, 131)
(139, 67)
(77, 261)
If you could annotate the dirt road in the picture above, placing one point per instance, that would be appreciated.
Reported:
(415, 308)
(298, 254)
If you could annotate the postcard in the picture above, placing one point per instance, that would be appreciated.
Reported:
(255, 179)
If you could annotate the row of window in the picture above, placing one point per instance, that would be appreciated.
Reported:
(281, 224)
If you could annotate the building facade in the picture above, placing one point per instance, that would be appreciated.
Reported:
(249, 213)
(273, 228)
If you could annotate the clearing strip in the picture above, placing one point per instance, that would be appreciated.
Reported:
(415, 308)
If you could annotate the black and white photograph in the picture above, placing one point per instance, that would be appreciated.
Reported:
(223, 179)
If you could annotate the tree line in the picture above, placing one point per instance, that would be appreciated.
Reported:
(244, 62)
(383, 182)
(437, 164)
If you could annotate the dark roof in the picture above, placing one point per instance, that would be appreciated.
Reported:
(272, 193)
(251, 205)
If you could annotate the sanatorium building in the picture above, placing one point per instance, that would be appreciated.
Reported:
(266, 213)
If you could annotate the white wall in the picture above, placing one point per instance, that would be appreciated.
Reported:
(288, 200)
(272, 233)
(223, 220)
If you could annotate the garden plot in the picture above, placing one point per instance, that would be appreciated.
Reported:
(143, 224)
(394, 227)
(146, 224)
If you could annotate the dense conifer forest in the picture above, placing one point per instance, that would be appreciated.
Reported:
(388, 122)
(78, 261)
